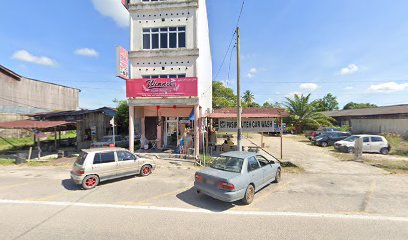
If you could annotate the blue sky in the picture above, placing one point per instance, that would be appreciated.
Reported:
(356, 50)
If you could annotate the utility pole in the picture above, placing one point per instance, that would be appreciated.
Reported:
(239, 127)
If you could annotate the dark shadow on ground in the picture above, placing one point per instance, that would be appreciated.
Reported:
(203, 201)
(68, 184)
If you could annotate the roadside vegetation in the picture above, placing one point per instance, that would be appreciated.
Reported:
(399, 144)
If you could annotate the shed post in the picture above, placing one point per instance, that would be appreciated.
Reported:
(281, 138)
(55, 138)
(131, 129)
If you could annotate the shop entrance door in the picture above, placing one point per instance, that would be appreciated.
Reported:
(171, 132)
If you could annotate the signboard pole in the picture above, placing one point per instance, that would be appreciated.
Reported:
(239, 132)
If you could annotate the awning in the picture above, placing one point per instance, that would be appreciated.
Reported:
(32, 124)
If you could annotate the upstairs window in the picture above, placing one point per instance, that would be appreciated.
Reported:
(163, 38)
(165, 76)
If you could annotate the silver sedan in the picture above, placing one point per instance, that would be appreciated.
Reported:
(237, 176)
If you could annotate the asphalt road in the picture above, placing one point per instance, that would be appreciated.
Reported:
(360, 203)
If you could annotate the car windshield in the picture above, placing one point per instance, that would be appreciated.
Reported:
(351, 138)
(229, 164)
(106, 139)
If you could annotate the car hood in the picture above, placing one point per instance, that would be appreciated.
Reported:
(345, 143)
(218, 173)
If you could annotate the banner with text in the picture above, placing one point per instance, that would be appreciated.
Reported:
(248, 125)
(162, 87)
(122, 63)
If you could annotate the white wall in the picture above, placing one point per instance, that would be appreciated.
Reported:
(376, 126)
(204, 61)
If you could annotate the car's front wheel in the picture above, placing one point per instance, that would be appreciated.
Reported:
(90, 182)
(384, 151)
(324, 144)
(277, 176)
(249, 195)
(350, 150)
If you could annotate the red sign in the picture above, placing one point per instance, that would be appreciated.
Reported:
(162, 87)
(122, 63)
(125, 3)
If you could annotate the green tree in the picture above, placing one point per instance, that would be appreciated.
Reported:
(248, 97)
(272, 105)
(223, 96)
(303, 115)
(327, 103)
(352, 105)
(122, 114)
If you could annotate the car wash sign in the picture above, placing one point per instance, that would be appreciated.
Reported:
(248, 125)
(162, 87)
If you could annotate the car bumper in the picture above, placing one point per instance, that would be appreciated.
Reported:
(77, 179)
(341, 148)
(220, 194)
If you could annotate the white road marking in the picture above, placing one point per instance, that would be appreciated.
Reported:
(204, 211)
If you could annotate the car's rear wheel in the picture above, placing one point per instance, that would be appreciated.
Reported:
(249, 195)
(384, 151)
(90, 182)
(146, 170)
(324, 144)
(350, 149)
(277, 176)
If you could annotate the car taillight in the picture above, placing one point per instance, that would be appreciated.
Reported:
(226, 186)
(80, 172)
(199, 178)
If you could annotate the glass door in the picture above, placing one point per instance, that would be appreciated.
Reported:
(171, 137)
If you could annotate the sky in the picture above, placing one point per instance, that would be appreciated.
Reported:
(356, 50)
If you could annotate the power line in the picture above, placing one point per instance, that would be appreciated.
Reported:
(230, 43)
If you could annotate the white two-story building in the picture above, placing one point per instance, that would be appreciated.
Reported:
(170, 85)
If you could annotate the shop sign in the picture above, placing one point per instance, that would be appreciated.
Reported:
(125, 3)
(162, 87)
(248, 125)
(122, 63)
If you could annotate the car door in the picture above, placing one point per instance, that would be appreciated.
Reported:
(376, 144)
(366, 144)
(269, 171)
(255, 172)
(105, 165)
(127, 163)
(332, 138)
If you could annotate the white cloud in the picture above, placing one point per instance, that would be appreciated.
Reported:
(348, 88)
(87, 52)
(113, 9)
(388, 87)
(252, 72)
(350, 69)
(308, 86)
(25, 56)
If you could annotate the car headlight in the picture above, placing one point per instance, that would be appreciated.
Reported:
(318, 139)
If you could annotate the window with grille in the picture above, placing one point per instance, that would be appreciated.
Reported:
(164, 38)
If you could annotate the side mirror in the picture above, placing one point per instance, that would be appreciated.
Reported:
(271, 162)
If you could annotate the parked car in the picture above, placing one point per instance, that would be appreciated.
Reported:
(237, 176)
(100, 164)
(106, 141)
(329, 138)
(371, 143)
(321, 130)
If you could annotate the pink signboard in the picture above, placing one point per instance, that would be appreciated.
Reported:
(125, 3)
(122, 63)
(162, 87)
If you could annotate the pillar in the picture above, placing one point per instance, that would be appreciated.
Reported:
(142, 129)
(131, 129)
(196, 131)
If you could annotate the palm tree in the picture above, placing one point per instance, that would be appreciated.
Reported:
(303, 114)
(248, 98)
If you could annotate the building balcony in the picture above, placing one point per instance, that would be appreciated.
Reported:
(165, 53)
(137, 5)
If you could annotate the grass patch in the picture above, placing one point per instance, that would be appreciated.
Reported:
(15, 143)
(7, 162)
(399, 144)
(290, 167)
(393, 166)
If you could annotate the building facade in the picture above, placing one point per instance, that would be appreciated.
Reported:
(385, 119)
(20, 96)
(170, 85)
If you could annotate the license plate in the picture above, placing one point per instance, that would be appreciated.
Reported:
(210, 182)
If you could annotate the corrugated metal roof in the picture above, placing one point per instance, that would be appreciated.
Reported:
(385, 110)
(249, 113)
(105, 110)
(32, 124)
